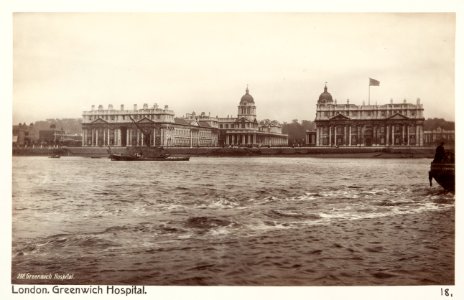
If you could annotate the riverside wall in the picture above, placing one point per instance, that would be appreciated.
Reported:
(373, 152)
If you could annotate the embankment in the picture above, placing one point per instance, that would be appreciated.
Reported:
(348, 152)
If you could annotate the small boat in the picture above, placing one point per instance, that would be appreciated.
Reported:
(443, 172)
(123, 157)
(54, 156)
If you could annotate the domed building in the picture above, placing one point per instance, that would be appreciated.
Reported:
(247, 108)
(325, 97)
(245, 130)
(346, 125)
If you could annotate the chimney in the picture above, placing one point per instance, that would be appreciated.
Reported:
(93, 107)
(122, 106)
(135, 106)
(110, 106)
(145, 106)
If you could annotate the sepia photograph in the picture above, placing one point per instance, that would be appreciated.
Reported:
(237, 149)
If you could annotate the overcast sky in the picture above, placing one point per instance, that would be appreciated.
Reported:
(65, 62)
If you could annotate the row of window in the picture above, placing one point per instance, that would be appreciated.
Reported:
(241, 125)
(383, 113)
(125, 117)
(186, 132)
(368, 140)
(382, 129)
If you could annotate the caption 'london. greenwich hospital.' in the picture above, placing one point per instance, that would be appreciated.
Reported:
(337, 125)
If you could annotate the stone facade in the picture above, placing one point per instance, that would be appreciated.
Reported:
(434, 137)
(149, 126)
(394, 124)
(245, 130)
(154, 126)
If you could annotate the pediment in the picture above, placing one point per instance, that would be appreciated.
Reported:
(99, 121)
(340, 117)
(145, 121)
(398, 116)
(194, 123)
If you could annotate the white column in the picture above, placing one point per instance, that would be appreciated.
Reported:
(317, 136)
(421, 135)
(349, 135)
(96, 136)
(335, 135)
(387, 133)
(407, 129)
(191, 139)
(330, 136)
(142, 139)
(393, 134)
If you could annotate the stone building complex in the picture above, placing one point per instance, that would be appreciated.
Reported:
(154, 126)
(148, 126)
(245, 130)
(394, 124)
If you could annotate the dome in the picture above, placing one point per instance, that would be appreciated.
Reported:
(247, 98)
(325, 97)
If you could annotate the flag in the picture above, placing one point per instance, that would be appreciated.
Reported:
(373, 82)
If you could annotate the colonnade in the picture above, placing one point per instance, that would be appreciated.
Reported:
(370, 135)
(114, 137)
(102, 137)
(234, 139)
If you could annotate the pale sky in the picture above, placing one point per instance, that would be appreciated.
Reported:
(65, 62)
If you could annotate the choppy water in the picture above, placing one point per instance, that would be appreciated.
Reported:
(232, 221)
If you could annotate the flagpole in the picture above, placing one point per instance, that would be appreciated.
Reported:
(369, 95)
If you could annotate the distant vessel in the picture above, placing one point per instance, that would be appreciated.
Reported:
(443, 172)
(54, 156)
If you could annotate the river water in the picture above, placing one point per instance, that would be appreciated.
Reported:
(231, 221)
